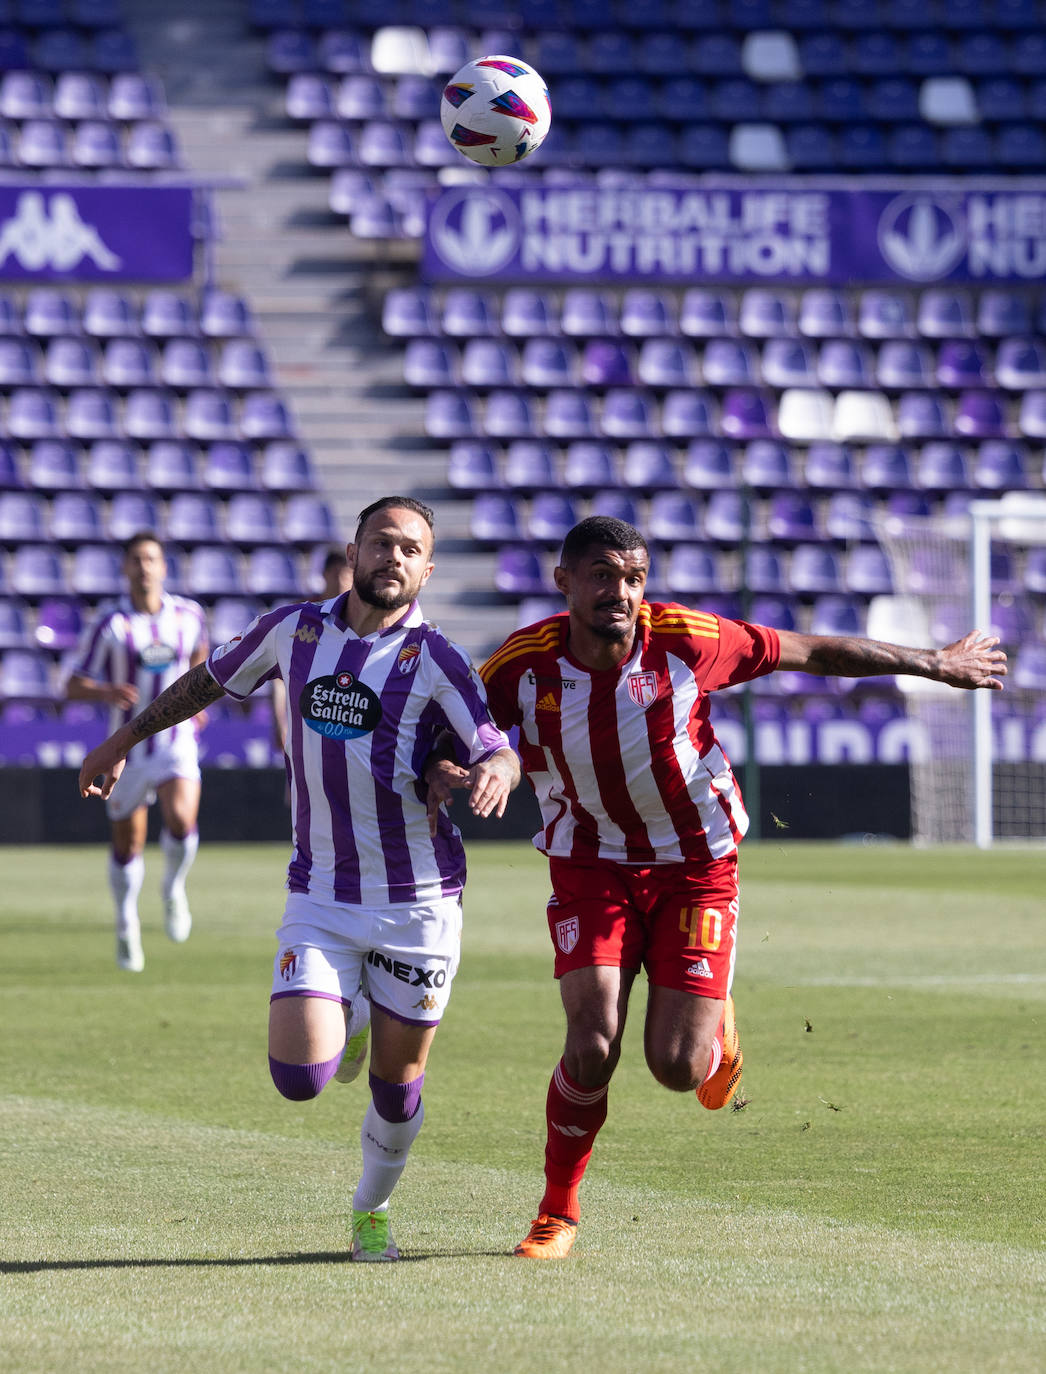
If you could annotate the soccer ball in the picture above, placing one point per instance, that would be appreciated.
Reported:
(496, 110)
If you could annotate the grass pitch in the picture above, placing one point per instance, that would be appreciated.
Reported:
(878, 1204)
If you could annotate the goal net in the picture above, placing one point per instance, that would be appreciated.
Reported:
(977, 759)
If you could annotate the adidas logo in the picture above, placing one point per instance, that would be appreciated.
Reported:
(547, 703)
(700, 970)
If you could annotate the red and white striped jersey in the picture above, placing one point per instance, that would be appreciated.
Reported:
(624, 761)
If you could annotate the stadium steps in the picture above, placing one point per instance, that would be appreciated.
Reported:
(315, 292)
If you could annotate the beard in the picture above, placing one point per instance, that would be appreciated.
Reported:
(383, 598)
(613, 633)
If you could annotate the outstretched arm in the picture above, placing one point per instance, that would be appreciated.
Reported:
(193, 691)
(489, 782)
(970, 662)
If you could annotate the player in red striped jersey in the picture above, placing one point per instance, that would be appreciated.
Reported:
(642, 818)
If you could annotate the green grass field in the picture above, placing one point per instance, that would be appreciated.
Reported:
(879, 1203)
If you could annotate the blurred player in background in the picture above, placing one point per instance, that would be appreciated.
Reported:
(372, 923)
(337, 578)
(136, 647)
(642, 818)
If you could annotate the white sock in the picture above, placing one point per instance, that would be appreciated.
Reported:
(385, 1146)
(178, 857)
(125, 883)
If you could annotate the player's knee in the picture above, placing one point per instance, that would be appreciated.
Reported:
(592, 1061)
(679, 1073)
(302, 1082)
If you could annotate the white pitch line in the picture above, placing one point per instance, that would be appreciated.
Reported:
(926, 980)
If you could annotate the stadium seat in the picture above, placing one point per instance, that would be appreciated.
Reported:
(845, 363)
(21, 363)
(792, 518)
(528, 313)
(193, 518)
(730, 362)
(941, 466)
(725, 520)
(509, 415)
(688, 414)
(96, 572)
(286, 467)
(829, 467)
(76, 518)
(552, 515)
(708, 465)
(885, 314)
(168, 315)
(1020, 364)
(885, 467)
(848, 516)
(495, 519)
(568, 415)
(32, 413)
(128, 363)
(923, 415)
(250, 519)
(23, 518)
(131, 511)
(764, 570)
(1000, 466)
(980, 415)
(149, 414)
(707, 314)
(151, 147)
(109, 314)
(748, 414)
(587, 313)
(171, 465)
(91, 413)
(529, 466)
(25, 675)
(813, 569)
(135, 96)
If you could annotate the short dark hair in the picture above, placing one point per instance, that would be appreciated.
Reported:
(142, 537)
(335, 559)
(400, 502)
(603, 530)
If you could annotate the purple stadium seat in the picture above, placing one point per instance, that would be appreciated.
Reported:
(568, 415)
(1035, 570)
(151, 147)
(113, 466)
(845, 363)
(193, 518)
(647, 314)
(134, 96)
(11, 478)
(76, 518)
(529, 466)
(32, 414)
(693, 570)
(836, 615)
(519, 573)
(885, 467)
(764, 570)
(225, 315)
(946, 314)
(605, 363)
(128, 363)
(824, 314)
(25, 674)
(131, 511)
(330, 144)
(829, 467)
(213, 570)
(922, 415)
(21, 363)
(14, 628)
(730, 362)
(286, 467)
(186, 363)
(1000, 466)
(509, 415)
(788, 362)
(382, 143)
(619, 505)
(528, 313)
(941, 466)
(407, 313)
(589, 466)
(980, 415)
(486, 363)
(91, 413)
(792, 518)
(429, 363)
(468, 313)
(1031, 418)
(230, 615)
(308, 519)
(169, 315)
(747, 414)
(149, 414)
(628, 414)
(308, 96)
(963, 362)
(765, 314)
(26, 95)
(1020, 364)
(109, 314)
(22, 517)
(773, 609)
(810, 147)
(251, 519)
(472, 467)
(866, 571)
(1002, 312)
(688, 414)
(674, 517)
(885, 314)
(360, 96)
(552, 514)
(265, 415)
(814, 569)
(647, 466)
(229, 467)
(707, 314)
(667, 362)
(549, 363)
(708, 465)
(724, 517)
(588, 313)
(495, 519)
(848, 516)
(1029, 672)
(171, 466)
(902, 364)
(96, 572)
(450, 415)
(96, 144)
(49, 312)
(291, 50)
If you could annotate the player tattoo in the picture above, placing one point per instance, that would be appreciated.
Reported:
(841, 656)
(193, 691)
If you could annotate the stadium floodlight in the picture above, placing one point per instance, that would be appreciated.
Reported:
(977, 760)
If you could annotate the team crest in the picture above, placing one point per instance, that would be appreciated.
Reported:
(642, 688)
(567, 934)
(407, 659)
(288, 965)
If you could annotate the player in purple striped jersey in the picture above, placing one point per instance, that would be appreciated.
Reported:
(372, 919)
(135, 648)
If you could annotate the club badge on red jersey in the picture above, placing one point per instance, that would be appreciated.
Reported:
(642, 688)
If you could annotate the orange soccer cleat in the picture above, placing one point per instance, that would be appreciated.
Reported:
(549, 1238)
(716, 1092)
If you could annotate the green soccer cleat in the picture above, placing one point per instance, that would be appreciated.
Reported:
(371, 1238)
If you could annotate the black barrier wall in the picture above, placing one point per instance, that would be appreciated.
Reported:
(814, 802)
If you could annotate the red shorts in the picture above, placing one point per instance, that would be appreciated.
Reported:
(678, 921)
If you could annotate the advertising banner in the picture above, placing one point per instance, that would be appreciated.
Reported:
(796, 233)
(96, 233)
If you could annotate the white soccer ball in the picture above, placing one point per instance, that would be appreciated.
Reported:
(495, 110)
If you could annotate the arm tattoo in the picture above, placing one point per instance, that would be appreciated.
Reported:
(193, 691)
(847, 656)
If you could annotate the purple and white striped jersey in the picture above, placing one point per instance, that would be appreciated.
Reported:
(150, 651)
(362, 717)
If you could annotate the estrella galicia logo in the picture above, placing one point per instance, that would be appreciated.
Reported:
(922, 237)
(156, 657)
(474, 230)
(339, 707)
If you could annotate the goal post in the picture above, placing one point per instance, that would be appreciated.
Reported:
(977, 760)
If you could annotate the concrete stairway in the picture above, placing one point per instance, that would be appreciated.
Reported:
(315, 291)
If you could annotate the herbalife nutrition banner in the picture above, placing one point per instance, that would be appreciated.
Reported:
(96, 233)
(729, 232)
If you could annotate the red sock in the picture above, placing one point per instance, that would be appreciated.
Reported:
(573, 1115)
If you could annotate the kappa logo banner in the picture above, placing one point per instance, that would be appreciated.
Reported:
(96, 233)
(803, 231)
(567, 933)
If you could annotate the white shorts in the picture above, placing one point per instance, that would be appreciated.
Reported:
(403, 957)
(144, 773)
